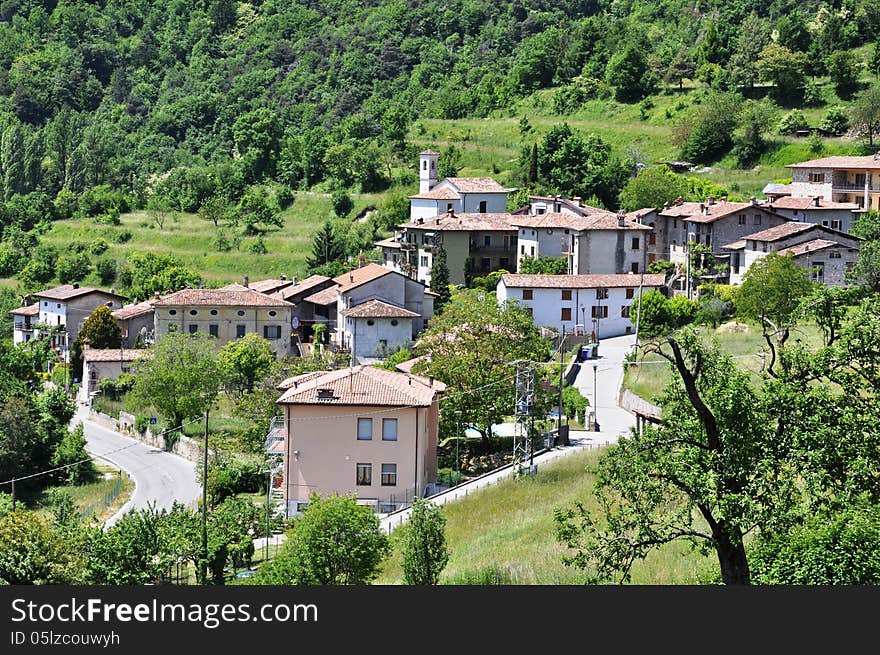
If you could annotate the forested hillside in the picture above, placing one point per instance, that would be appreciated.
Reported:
(223, 108)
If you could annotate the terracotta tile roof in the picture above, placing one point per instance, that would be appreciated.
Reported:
(364, 385)
(639, 214)
(574, 205)
(68, 291)
(518, 280)
(789, 202)
(298, 379)
(451, 222)
(328, 296)
(130, 311)
(406, 367)
(301, 287)
(378, 309)
(270, 286)
(809, 246)
(113, 355)
(233, 295)
(781, 231)
(29, 310)
(358, 276)
(736, 245)
(691, 211)
(477, 185)
(559, 220)
(866, 162)
(441, 193)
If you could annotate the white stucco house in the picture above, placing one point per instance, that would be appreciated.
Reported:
(595, 304)
(462, 195)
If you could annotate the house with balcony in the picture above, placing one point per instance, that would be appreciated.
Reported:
(226, 314)
(360, 430)
(599, 242)
(841, 179)
(462, 195)
(63, 309)
(828, 254)
(303, 313)
(598, 305)
(481, 242)
(23, 320)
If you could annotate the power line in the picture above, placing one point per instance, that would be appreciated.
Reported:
(83, 461)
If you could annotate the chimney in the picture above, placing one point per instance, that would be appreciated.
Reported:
(577, 201)
(621, 220)
(710, 200)
(666, 205)
(244, 282)
(702, 209)
(679, 200)
(75, 285)
(293, 279)
(723, 198)
(350, 276)
(420, 220)
(156, 295)
(753, 200)
(283, 277)
(87, 343)
(112, 290)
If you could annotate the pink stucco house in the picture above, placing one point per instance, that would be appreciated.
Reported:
(364, 430)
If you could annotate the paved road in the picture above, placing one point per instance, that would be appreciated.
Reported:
(159, 476)
(612, 419)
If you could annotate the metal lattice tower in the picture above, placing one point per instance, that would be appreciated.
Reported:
(524, 410)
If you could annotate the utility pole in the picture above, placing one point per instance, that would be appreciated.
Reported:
(524, 415)
(639, 311)
(204, 562)
(561, 366)
(595, 402)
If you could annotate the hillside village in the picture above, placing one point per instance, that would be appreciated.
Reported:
(379, 308)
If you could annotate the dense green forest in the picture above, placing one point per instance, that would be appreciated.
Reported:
(226, 108)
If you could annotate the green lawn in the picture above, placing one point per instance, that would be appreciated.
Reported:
(649, 378)
(509, 527)
(192, 240)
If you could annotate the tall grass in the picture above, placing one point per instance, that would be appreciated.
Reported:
(505, 534)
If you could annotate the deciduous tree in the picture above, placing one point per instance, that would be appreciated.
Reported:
(424, 544)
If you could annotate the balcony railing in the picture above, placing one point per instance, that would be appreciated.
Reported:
(511, 248)
(847, 186)
(275, 435)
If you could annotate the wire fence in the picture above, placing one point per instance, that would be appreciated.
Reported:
(104, 502)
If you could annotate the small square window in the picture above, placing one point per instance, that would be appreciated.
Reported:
(364, 474)
(526, 294)
(630, 293)
(389, 475)
(389, 429)
(566, 294)
(566, 314)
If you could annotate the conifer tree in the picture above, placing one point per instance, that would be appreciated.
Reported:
(326, 248)
(440, 278)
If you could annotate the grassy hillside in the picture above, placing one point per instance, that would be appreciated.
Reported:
(509, 528)
(650, 377)
(192, 240)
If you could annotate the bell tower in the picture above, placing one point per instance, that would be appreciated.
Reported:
(428, 170)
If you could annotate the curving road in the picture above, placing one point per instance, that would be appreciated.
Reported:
(159, 476)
